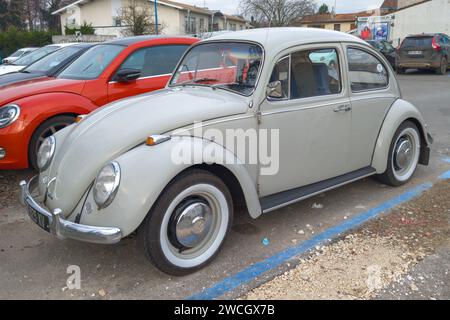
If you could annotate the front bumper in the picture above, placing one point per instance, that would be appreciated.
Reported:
(63, 229)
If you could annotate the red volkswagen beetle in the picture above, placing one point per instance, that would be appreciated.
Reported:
(34, 110)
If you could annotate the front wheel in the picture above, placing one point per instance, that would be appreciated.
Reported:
(187, 226)
(403, 156)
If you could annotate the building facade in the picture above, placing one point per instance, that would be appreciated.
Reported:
(174, 18)
(331, 21)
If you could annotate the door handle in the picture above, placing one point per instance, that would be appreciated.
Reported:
(343, 108)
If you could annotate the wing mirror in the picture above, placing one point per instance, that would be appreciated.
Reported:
(274, 90)
(127, 75)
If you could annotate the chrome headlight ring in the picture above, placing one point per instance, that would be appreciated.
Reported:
(106, 185)
(46, 152)
(9, 114)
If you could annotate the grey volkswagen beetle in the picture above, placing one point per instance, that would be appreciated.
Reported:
(332, 102)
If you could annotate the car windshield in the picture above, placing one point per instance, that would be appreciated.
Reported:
(92, 63)
(232, 66)
(18, 53)
(419, 42)
(52, 60)
(35, 55)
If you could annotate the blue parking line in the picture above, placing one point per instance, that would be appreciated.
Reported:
(232, 282)
(445, 175)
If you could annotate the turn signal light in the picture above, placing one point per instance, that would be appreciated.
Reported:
(156, 139)
(79, 118)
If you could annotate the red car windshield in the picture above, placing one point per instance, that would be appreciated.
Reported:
(92, 63)
(233, 66)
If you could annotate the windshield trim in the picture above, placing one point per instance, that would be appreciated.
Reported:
(263, 56)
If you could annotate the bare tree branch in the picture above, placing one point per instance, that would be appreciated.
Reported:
(276, 13)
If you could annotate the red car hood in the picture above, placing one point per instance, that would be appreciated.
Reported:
(20, 90)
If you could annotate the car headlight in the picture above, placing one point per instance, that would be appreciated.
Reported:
(9, 114)
(106, 185)
(46, 152)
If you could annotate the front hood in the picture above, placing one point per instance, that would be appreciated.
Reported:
(10, 68)
(22, 77)
(16, 91)
(112, 130)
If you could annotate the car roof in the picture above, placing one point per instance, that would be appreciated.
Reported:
(275, 40)
(133, 40)
(420, 35)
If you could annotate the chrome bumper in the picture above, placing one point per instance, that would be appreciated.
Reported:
(63, 229)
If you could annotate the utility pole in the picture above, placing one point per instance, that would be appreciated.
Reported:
(156, 16)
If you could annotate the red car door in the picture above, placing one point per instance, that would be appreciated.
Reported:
(155, 65)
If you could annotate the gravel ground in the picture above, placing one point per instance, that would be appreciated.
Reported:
(376, 260)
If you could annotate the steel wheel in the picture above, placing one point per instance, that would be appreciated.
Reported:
(188, 224)
(194, 225)
(404, 154)
(405, 157)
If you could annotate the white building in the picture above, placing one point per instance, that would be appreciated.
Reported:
(175, 18)
(431, 16)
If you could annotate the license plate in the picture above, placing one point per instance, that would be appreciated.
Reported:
(41, 220)
(415, 53)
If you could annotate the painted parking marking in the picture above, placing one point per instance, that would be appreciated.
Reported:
(245, 276)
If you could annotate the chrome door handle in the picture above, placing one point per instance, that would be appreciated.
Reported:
(343, 108)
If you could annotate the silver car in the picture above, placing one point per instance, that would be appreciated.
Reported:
(251, 119)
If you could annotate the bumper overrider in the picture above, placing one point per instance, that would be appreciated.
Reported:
(53, 222)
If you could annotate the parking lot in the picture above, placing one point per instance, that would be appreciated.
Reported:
(33, 264)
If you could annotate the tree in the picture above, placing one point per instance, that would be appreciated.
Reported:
(324, 9)
(136, 17)
(276, 13)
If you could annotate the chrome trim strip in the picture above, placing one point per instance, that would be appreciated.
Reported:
(318, 192)
(63, 229)
(144, 78)
(327, 104)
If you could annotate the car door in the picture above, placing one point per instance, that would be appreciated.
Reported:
(372, 92)
(313, 116)
(155, 63)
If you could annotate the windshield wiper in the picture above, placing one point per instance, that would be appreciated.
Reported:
(196, 81)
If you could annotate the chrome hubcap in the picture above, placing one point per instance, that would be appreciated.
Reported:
(193, 223)
(403, 154)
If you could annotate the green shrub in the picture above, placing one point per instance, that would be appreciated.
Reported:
(85, 29)
(13, 39)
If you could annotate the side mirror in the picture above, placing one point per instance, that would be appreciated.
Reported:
(127, 75)
(275, 90)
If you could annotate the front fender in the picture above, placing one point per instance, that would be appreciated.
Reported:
(147, 170)
(399, 112)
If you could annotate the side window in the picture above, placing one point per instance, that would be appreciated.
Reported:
(315, 73)
(155, 61)
(366, 72)
(281, 73)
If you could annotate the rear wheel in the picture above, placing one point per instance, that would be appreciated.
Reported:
(187, 226)
(442, 70)
(403, 156)
(45, 130)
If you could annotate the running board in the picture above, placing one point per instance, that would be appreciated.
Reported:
(285, 198)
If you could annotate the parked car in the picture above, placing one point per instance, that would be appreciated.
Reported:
(125, 157)
(30, 58)
(18, 54)
(386, 50)
(424, 51)
(48, 67)
(105, 73)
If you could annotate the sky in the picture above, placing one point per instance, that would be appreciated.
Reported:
(343, 6)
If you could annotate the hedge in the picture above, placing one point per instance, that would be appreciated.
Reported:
(13, 39)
